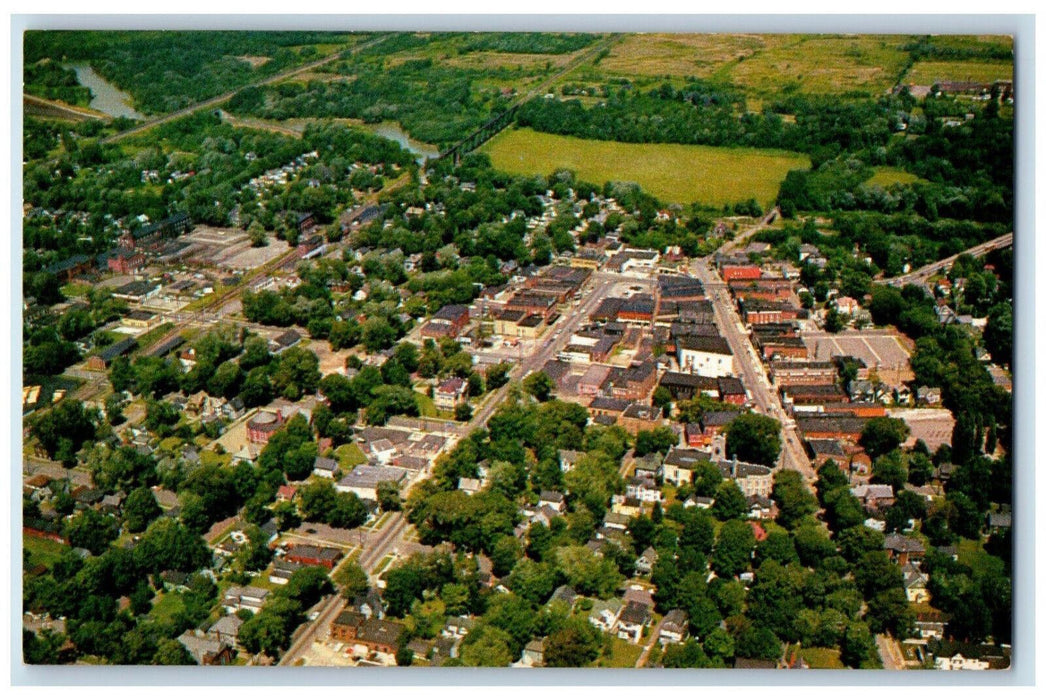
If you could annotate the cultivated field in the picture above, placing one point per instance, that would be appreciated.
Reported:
(671, 172)
(930, 72)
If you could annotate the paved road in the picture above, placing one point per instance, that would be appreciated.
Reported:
(920, 276)
(743, 237)
(654, 634)
(751, 369)
(890, 653)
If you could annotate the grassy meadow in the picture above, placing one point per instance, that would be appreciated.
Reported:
(930, 72)
(884, 177)
(671, 172)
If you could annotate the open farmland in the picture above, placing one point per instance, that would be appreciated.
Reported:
(930, 72)
(823, 65)
(671, 172)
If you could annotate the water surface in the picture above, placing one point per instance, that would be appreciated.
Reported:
(105, 97)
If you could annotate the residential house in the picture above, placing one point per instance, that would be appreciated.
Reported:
(284, 341)
(458, 627)
(244, 598)
(674, 628)
(368, 636)
(470, 486)
(533, 654)
(685, 386)
(679, 464)
(646, 490)
(874, 497)
(645, 562)
(206, 649)
(325, 467)
(761, 508)
(282, 570)
(904, 549)
(447, 322)
(565, 594)
(915, 583)
(640, 417)
(227, 629)
(450, 393)
(568, 459)
(554, 500)
(632, 620)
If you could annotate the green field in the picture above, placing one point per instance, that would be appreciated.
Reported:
(884, 177)
(930, 72)
(671, 172)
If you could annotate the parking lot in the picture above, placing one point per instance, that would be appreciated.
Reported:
(931, 425)
(884, 351)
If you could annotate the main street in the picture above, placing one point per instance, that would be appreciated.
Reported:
(751, 369)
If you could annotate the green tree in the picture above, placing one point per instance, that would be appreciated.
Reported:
(730, 502)
(883, 434)
(463, 412)
(794, 501)
(91, 530)
(574, 645)
(858, 647)
(140, 509)
(532, 581)
(754, 438)
(586, 571)
(657, 440)
(733, 550)
(352, 579)
(689, 654)
(388, 493)
(487, 646)
(719, 645)
(539, 385)
(170, 652)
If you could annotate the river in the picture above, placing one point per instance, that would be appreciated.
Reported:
(105, 97)
(393, 132)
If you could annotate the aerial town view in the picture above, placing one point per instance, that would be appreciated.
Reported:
(517, 350)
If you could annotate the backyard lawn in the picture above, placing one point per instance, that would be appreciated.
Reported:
(42, 550)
